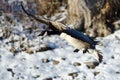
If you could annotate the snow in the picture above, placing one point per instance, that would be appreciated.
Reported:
(58, 63)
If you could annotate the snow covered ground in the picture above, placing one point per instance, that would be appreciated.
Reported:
(21, 56)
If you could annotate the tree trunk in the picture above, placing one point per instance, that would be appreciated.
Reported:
(81, 13)
(94, 17)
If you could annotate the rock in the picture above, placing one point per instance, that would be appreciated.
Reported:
(55, 62)
(96, 73)
(28, 50)
(46, 48)
(10, 70)
(37, 76)
(48, 79)
(91, 65)
(63, 59)
(45, 60)
(74, 74)
(118, 72)
(77, 64)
